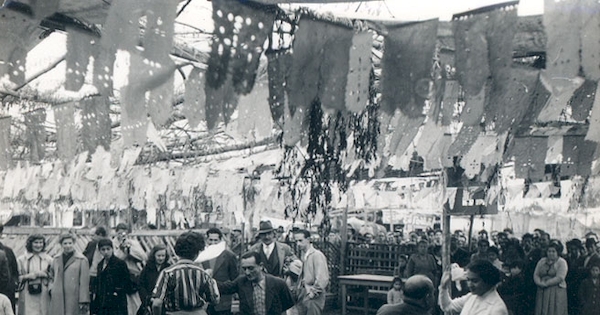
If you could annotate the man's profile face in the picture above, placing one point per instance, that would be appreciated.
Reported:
(251, 269)
(301, 241)
(213, 239)
(267, 238)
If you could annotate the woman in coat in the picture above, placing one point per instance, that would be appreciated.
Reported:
(112, 282)
(549, 276)
(158, 259)
(34, 299)
(69, 289)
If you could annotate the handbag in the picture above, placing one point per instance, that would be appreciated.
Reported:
(34, 288)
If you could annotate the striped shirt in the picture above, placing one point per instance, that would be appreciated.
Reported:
(185, 287)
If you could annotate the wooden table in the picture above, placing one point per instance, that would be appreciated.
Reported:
(363, 280)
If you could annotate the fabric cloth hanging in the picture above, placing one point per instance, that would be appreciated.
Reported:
(35, 134)
(121, 30)
(590, 45)
(254, 108)
(562, 90)
(578, 155)
(593, 133)
(430, 145)
(292, 126)
(279, 67)
(406, 67)
(66, 139)
(320, 64)
(555, 149)
(220, 54)
(95, 123)
(194, 99)
(464, 141)
(15, 36)
(562, 22)
(404, 133)
(160, 101)
(5, 148)
(473, 109)
(508, 102)
(582, 100)
(501, 28)
(104, 59)
(472, 65)
(359, 71)
(529, 163)
(539, 99)
(79, 47)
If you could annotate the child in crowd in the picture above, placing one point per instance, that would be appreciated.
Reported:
(394, 296)
(589, 292)
(513, 288)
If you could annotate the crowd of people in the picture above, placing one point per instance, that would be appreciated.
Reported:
(502, 274)
(115, 276)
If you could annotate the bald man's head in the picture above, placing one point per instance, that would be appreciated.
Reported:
(418, 287)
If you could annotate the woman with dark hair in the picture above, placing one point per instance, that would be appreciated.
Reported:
(158, 259)
(482, 278)
(549, 276)
(33, 277)
(70, 274)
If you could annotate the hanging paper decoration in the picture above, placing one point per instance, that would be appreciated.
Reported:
(406, 67)
(593, 133)
(17, 30)
(509, 101)
(529, 163)
(292, 126)
(562, 22)
(95, 123)
(122, 27)
(5, 147)
(555, 149)
(431, 137)
(279, 67)
(359, 70)
(160, 27)
(472, 65)
(320, 64)
(104, 60)
(578, 155)
(35, 134)
(449, 101)
(404, 133)
(254, 108)
(590, 45)
(501, 28)
(473, 109)
(220, 103)
(220, 54)
(79, 46)
(194, 100)
(539, 99)
(160, 102)
(66, 138)
(582, 100)
(464, 141)
(562, 90)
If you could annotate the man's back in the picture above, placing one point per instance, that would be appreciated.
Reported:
(404, 308)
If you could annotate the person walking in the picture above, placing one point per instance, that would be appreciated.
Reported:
(70, 274)
(315, 276)
(34, 298)
(185, 288)
(259, 293)
(158, 260)
(274, 254)
(112, 282)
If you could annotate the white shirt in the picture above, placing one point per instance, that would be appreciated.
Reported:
(268, 249)
(488, 304)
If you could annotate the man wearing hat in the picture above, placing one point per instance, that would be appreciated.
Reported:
(273, 253)
(419, 298)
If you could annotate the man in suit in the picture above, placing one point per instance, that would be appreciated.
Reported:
(260, 293)
(10, 288)
(223, 268)
(273, 254)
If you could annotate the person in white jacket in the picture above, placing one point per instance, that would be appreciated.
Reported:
(314, 278)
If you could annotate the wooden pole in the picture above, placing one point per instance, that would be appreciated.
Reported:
(471, 220)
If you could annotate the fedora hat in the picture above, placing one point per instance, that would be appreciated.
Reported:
(296, 267)
(265, 227)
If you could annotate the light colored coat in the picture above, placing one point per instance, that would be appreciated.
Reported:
(70, 285)
(315, 272)
(37, 304)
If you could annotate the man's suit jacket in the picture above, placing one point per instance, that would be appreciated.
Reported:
(283, 251)
(278, 296)
(225, 269)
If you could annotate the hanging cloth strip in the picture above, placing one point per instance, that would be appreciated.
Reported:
(562, 90)
(5, 147)
(449, 100)
(590, 45)
(578, 155)
(555, 149)
(104, 59)
(464, 141)
(539, 99)
(562, 22)
(254, 107)
(44, 8)
(406, 67)
(529, 163)
(508, 102)
(122, 27)
(95, 123)
(472, 65)
(17, 30)
(35, 134)
(582, 100)
(220, 103)
(359, 70)
(79, 46)
(279, 67)
(194, 106)
(320, 64)
(66, 139)
(473, 109)
(593, 133)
